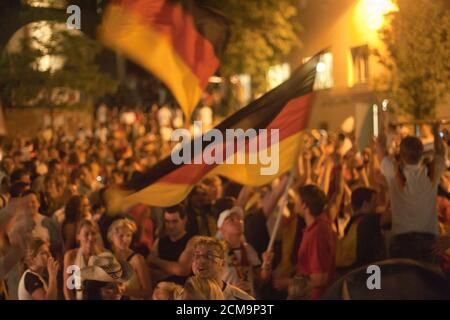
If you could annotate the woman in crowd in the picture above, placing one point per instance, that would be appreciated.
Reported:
(77, 209)
(120, 234)
(87, 235)
(35, 283)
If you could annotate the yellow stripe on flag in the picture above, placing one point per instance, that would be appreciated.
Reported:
(122, 31)
(164, 194)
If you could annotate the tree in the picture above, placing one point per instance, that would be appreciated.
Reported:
(23, 82)
(417, 56)
(262, 34)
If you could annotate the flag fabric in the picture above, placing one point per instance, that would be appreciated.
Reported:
(180, 42)
(286, 108)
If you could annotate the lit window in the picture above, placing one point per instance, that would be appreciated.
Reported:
(324, 69)
(277, 75)
(360, 62)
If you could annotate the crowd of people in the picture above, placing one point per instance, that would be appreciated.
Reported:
(346, 208)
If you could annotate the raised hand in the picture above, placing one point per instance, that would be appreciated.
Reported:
(52, 267)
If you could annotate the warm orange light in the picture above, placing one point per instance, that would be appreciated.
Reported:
(374, 11)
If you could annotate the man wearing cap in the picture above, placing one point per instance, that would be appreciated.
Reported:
(241, 260)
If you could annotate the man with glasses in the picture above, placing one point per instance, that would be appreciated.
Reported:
(208, 260)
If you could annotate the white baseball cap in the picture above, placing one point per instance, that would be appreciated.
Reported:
(225, 214)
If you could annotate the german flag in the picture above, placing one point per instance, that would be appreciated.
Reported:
(181, 42)
(281, 114)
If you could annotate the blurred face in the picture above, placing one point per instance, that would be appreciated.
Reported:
(85, 208)
(160, 292)
(58, 168)
(25, 178)
(199, 198)
(50, 185)
(175, 226)
(121, 239)
(233, 225)
(53, 154)
(206, 263)
(216, 190)
(85, 176)
(8, 165)
(118, 178)
(300, 207)
(110, 292)
(34, 204)
(87, 238)
(41, 258)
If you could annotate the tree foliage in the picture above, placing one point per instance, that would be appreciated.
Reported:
(23, 84)
(263, 33)
(417, 40)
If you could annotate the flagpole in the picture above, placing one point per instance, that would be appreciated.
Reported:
(281, 205)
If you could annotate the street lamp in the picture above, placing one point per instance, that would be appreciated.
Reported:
(373, 12)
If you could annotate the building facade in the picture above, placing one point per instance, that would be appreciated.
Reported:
(348, 30)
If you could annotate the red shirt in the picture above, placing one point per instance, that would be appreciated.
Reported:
(317, 253)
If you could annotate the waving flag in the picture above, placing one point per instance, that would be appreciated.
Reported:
(180, 42)
(283, 112)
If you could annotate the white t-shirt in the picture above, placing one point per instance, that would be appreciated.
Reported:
(164, 117)
(206, 116)
(414, 205)
(230, 273)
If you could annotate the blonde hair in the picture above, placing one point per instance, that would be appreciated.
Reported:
(203, 289)
(213, 243)
(121, 224)
(172, 289)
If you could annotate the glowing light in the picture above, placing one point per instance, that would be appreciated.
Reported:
(321, 67)
(375, 10)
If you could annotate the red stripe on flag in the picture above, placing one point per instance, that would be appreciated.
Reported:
(292, 119)
(178, 26)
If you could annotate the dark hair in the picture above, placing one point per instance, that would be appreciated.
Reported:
(223, 204)
(73, 159)
(92, 289)
(52, 164)
(17, 174)
(17, 188)
(411, 150)
(72, 210)
(179, 208)
(314, 198)
(361, 195)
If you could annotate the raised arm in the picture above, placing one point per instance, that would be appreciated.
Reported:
(439, 146)
(271, 200)
(182, 267)
(336, 199)
(382, 139)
